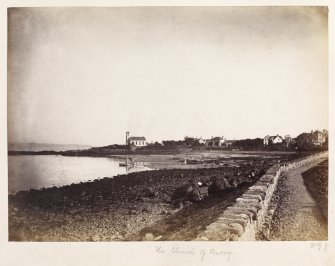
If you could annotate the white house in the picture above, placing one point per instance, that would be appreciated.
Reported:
(272, 140)
(137, 141)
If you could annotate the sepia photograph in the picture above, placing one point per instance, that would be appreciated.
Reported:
(167, 123)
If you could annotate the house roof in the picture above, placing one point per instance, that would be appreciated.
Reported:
(273, 137)
(136, 138)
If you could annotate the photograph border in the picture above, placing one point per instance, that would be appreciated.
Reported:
(161, 253)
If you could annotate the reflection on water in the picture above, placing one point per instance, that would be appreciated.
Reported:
(26, 172)
(133, 166)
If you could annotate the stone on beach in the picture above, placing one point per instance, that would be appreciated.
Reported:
(218, 186)
(149, 237)
(95, 238)
(189, 191)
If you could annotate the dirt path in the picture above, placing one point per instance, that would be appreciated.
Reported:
(297, 216)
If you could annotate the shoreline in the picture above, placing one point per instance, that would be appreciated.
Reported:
(185, 160)
(110, 209)
(119, 208)
(167, 152)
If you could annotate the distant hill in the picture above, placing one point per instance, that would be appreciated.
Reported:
(45, 147)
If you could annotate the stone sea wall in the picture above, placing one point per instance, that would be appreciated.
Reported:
(248, 214)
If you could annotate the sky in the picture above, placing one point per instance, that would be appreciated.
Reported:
(88, 75)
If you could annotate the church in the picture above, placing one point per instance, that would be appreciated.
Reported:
(135, 141)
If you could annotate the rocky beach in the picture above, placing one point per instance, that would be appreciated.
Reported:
(165, 204)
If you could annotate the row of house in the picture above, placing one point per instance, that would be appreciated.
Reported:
(215, 142)
(138, 142)
(315, 138)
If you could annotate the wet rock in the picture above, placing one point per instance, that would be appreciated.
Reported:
(181, 192)
(218, 186)
(145, 209)
(170, 212)
(234, 182)
(189, 191)
(132, 212)
(194, 195)
(95, 238)
(149, 237)
(205, 183)
(158, 238)
(116, 236)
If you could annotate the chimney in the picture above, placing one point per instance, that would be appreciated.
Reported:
(127, 136)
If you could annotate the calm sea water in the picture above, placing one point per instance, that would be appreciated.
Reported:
(26, 172)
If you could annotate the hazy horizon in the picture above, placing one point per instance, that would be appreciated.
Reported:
(85, 76)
